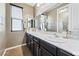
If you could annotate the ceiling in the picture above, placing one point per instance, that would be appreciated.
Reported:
(31, 4)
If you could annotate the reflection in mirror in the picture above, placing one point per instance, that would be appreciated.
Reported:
(52, 20)
(62, 19)
(37, 22)
(43, 22)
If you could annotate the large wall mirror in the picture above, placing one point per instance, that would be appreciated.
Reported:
(62, 19)
(55, 20)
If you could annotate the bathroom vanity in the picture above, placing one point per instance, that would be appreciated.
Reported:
(60, 20)
(40, 45)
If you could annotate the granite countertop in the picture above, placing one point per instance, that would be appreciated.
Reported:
(69, 45)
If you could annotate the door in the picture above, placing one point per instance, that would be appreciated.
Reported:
(44, 52)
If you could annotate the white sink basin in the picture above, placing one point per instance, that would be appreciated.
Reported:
(54, 39)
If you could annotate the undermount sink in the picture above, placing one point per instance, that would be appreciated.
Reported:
(57, 39)
(53, 38)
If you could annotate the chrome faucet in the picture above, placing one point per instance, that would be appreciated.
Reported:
(68, 33)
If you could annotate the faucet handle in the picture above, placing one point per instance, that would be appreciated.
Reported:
(69, 32)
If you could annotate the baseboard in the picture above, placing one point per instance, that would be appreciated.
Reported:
(15, 46)
(12, 48)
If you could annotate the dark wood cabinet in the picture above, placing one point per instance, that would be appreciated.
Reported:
(31, 45)
(48, 47)
(44, 52)
(35, 49)
(61, 52)
(40, 47)
(36, 46)
(28, 40)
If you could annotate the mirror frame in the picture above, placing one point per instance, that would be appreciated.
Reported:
(58, 13)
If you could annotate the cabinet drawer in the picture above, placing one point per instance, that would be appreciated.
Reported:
(49, 47)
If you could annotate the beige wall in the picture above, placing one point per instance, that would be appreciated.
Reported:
(16, 38)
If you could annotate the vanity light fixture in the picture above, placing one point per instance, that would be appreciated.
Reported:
(38, 4)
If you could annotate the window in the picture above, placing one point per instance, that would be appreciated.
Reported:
(16, 18)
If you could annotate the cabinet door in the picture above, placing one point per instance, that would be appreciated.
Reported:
(31, 45)
(49, 47)
(28, 41)
(61, 52)
(35, 49)
(44, 52)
